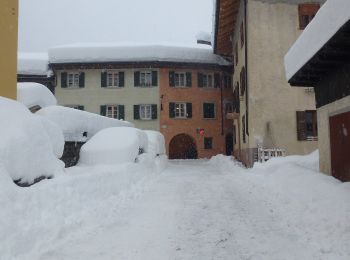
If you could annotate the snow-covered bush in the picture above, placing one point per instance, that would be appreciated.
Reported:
(113, 146)
(34, 94)
(79, 125)
(156, 142)
(26, 150)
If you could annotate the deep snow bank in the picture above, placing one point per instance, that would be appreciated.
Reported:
(34, 94)
(156, 142)
(26, 151)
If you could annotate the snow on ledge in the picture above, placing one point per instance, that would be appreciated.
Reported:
(30, 63)
(329, 19)
(112, 52)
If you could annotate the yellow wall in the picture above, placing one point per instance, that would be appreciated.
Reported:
(8, 47)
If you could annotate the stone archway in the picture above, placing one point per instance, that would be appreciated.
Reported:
(183, 146)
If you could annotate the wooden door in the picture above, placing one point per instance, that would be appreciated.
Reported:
(340, 146)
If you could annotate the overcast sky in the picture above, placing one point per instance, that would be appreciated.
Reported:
(45, 23)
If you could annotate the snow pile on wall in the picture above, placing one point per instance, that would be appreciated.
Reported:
(113, 146)
(26, 151)
(75, 122)
(34, 94)
(29, 63)
(156, 142)
(104, 52)
(328, 20)
(203, 36)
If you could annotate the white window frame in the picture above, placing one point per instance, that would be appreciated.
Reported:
(73, 79)
(145, 111)
(180, 110)
(145, 78)
(208, 80)
(113, 81)
(178, 79)
(113, 110)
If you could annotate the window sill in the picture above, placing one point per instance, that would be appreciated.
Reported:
(112, 87)
(214, 118)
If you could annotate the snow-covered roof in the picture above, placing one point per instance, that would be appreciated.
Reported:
(111, 52)
(329, 19)
(34, 94)
(31, 63)
(74, 122)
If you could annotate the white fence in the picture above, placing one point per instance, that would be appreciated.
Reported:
(266, 154)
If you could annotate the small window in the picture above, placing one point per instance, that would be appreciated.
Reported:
(208, 110)
(146, 78)
(208, 143)
(145, 112)
(306, 13)
(180, 79)
(307, 125)
(73, 79)
(112, 111)
(112, 79)
(228, 107)
(208, 81)
(180, 110)
(227, 81)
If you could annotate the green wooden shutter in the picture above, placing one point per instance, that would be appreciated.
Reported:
(172, 110)
(121, 79)
(136, 112)
(81, 79)
(63, 79)
(154, 78)
(171, 78)
(103, 110)
(200, 80)
(103, 79)
(136, 78)
(121, 112)
(217, 80)
(189, 110)
(188, 79)
(154, 111)
(301, 126)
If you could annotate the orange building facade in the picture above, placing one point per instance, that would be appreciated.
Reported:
(194, 107)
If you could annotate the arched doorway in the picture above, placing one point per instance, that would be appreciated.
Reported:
(229, 144)
(182, 146)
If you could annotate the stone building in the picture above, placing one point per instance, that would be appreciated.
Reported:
(322, 61)
(182, 92)
(255, 35)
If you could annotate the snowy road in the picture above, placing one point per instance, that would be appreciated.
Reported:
(199, 210)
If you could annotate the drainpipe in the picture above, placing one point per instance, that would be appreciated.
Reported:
(222, 109)
(246, 65)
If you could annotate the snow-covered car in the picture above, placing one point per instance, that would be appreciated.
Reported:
(114, 145)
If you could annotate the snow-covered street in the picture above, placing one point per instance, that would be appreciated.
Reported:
(192, 210)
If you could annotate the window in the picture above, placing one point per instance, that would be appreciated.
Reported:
(228, 107)
(72, 79)
(208, 110)
(146, 78)
(207, 81)
(306, 13)
(227, 81)
(180, 79)
(145, 112)
(242, 34)
(243, 129)
(208, 143)
(112, 79)
(307, 125)
(113, 111)
(180, 110)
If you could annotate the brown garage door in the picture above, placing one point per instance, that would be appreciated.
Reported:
(340, 146)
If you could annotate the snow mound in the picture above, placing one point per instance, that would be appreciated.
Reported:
(156, 142)
(34, 94)
(77, 125)
(113, 146)
(112, 52)
(224, 164)
(31, 63)
(26, 151)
